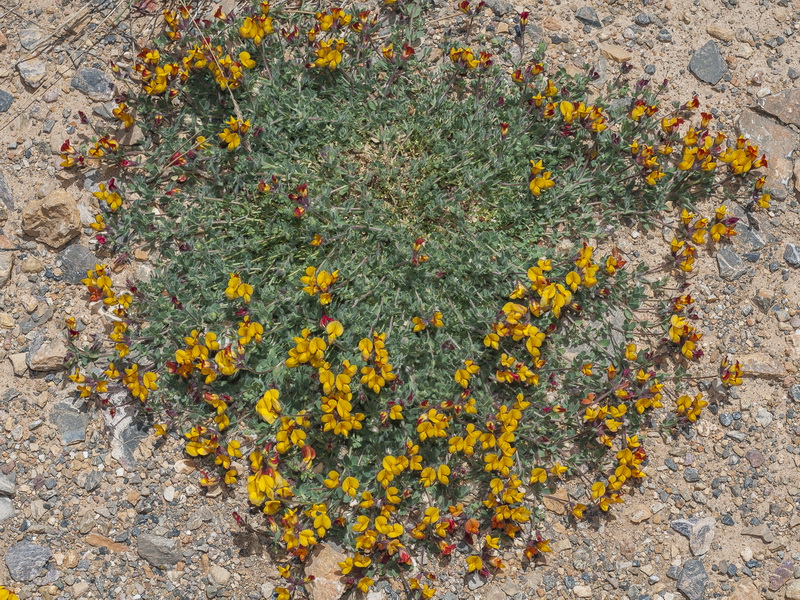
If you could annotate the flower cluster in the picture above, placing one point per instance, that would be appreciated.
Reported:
(318, 282)
(231, 136)
(465, 59)
(110, 195)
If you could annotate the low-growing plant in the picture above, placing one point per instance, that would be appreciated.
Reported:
(375, 295)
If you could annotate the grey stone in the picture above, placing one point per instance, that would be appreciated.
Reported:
(642, 20)
(588, 15)
(5, 192)
(702, 535)
(794, 393)
(474, 580)
(582, 559)
(90, 481)
(71, 423)
(684, 526)
(782, 314)
(760, 531)
(707, 64)
(650, 69)
(94, 83)
(6, 509)
(764, 417)
(159, 551)
(76, 260)
(6, 266)
(25, 560)
(778, 143)
(784, 105)
(792, 255)
(730, 265)
(126, 429)
(500, 8)
(7, 485)
(749, 239)
(693, 580)
(33, 72)
(691, 475)
(664, 36)
(30, 38)
(6, 100)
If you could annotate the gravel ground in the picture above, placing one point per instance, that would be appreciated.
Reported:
(717, 518)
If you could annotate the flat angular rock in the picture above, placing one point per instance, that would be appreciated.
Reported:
(777, 142)
(32, 72)
(6, 267)
(323, 564)
(94, 83)
(730, 264)
(785, 106)
(53, 220)
(749, 239)
(71, 423)
(76, 260)
(25, 560)
(30, 38)
(126, 429)
(6, 509)
(792, 255)
(702, 535)
(707, 64)
(588, 15)
(6, 100)
(684, 526)
(49, 355)
(616, 53)
(7, 486)
(5, 192)
(500, 8)
(721, 33)
(693, 580)
(781, 575)
(760, 531)
(159, 551)
(793, 591)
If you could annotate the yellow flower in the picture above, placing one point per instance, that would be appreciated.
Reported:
(364, 584)
(598, 489)
(334, 329)
(332, 481)
(269, 407)
(246, 60)
(350, 486)
(538, 475)
(306, 538)
(474, 563)
(329, 53)
(238, 289)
